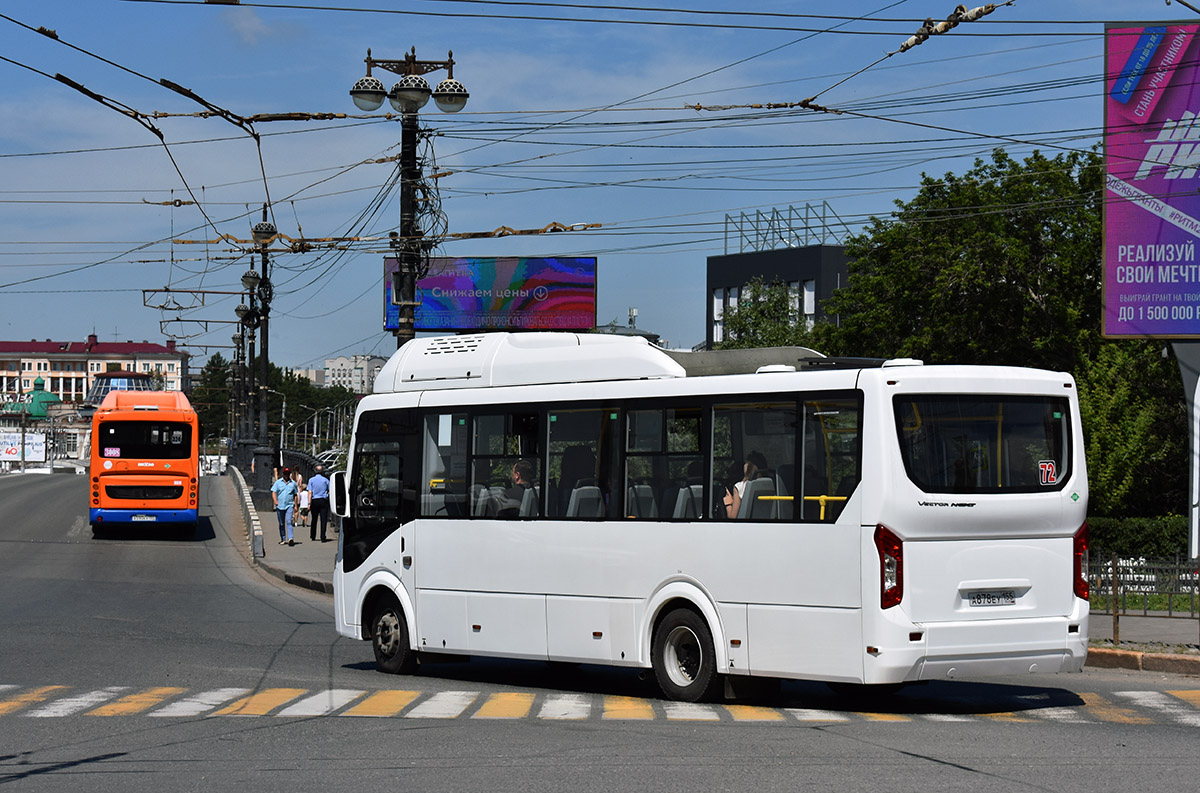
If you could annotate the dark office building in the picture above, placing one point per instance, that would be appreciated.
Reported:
(812, 273)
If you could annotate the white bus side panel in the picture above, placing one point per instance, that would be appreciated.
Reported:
(598, 577)
(784, 639)
(592, 629)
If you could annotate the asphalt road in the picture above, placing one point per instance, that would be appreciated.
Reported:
(141, 662)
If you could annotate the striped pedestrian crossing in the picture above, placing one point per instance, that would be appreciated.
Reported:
(1177, 707)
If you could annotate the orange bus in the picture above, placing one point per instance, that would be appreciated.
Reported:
(144, 460)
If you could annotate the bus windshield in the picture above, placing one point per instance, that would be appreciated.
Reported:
(984, 444)
(146, 440)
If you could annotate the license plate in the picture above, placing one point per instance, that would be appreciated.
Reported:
(143, 517)
(994, 597)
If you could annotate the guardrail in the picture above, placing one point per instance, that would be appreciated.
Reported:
(1144, 585)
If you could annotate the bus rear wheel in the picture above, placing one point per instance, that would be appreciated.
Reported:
(682, 654)
(389, 639)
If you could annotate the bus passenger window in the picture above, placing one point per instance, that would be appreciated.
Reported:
(664, 470)
(444, 469)
(505, 470)
(580, 461)
(832, 464)
(754, 461)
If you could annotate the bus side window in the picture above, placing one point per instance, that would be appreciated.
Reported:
(504, 443)
(664, 470)
(832, 464)
(581, 457)
(444, 469)
(754, 461)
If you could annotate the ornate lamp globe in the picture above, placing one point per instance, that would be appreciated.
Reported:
(368, 93)
(263, 231)
(250, 280)
(409, 94)
(450, 95)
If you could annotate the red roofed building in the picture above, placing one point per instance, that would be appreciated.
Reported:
(69, 367)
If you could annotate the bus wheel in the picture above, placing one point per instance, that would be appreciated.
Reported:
(682, 653)
(389, 638)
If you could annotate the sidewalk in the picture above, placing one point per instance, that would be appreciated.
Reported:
(306, 564)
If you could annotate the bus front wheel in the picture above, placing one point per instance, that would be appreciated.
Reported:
(389, 639)
(683, 657)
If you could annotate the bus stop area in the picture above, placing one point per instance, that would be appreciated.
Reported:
(1149, 643)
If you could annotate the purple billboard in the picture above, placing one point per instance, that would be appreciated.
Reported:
(1152, 195)
(501, 293)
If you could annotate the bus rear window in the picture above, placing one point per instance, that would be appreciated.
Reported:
(145, 440)
(984, 444)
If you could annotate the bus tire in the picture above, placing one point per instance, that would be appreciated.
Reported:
(682, 654)
(389, 639)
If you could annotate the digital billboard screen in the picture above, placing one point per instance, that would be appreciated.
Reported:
(501, 293)
(1152, 162)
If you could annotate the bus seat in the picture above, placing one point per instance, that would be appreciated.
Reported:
(641, 502)
(688, 504)
(577, 469)
(785, 481)
(752, 506)
(585, 502)
(529, 502)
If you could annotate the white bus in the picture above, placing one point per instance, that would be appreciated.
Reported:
(895, 522)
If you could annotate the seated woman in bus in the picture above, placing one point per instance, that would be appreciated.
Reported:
(754, 468)
(522, 477)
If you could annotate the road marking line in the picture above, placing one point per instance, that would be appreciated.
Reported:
(136, 703)
(1104, 710)
(383, 703)
(72, 705)
(814, 714)
(31, 697)
(1007, 716)
(506, 705)
(565, 706)
(690, 711)
(627, 708)
(884, 717)
(946, 717)
(1064, 714)
(753, 713)
(443, 705)
(260, 703)
(322, 703)
(201, 703)
(1191, 697)
(1160, 702)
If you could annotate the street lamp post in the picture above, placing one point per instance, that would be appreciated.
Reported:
(408, 96)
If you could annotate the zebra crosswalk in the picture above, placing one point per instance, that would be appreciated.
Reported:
(1177, 707)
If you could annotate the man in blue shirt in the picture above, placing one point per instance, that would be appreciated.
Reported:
(283, 494)
(319, 487)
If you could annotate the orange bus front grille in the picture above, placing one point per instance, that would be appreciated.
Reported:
(143, 492)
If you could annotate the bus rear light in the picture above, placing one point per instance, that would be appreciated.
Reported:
(891, 567)
(1080, 565)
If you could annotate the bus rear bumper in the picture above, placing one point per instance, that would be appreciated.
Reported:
(97, 515)
(985, 648)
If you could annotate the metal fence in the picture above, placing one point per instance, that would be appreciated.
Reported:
(1144, 585)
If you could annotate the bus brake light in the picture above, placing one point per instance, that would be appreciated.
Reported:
(1080, 565)
(891, 567)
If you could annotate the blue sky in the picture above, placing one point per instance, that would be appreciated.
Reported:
(568, 122)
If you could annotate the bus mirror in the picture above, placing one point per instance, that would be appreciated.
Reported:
(337, 495)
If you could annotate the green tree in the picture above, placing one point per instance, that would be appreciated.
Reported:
(1002, 266)
(766, 315)
(997, 266)
(210, 397)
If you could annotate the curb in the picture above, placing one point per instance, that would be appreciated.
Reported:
(297, 579)
(1105, 658)
(249, 513)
